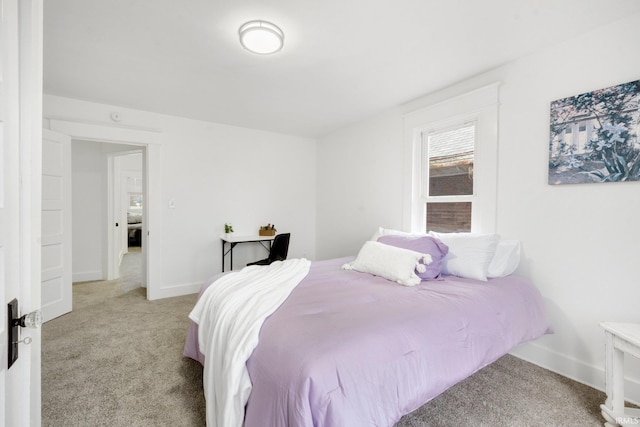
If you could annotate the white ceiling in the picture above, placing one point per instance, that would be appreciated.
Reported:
(343, 60)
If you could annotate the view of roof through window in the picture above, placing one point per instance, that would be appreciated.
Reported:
(450, 155)
(452, 147)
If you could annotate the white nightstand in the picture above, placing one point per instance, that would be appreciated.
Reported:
(621, 338)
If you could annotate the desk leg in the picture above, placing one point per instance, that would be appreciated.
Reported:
(230, 252)
(223, 256)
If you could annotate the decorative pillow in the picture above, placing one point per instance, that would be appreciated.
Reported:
(390, 262)
(506, 259)
(421, 244)
(469, 254)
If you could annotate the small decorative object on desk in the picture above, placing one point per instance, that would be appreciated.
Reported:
(268, 230)
(228, 229)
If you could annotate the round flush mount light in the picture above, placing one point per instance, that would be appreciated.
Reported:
(261, 37)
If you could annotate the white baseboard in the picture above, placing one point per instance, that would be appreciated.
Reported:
(86, 276)
(177, 290)
(577, 370)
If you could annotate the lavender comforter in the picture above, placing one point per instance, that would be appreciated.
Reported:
(351, 349)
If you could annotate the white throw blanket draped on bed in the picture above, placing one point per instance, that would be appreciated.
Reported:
(229, 315)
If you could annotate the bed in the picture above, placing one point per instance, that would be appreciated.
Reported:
(348, 348)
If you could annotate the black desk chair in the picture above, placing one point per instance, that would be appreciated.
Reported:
(278, 252)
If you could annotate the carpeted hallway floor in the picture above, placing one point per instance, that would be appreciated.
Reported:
(116, 360)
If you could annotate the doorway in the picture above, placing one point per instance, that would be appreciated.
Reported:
(128, 207)
(106, 179)
(149, 141)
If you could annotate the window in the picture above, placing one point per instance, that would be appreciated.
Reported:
(448, 177)
(452, 185)
(449, 217)
(135, 201)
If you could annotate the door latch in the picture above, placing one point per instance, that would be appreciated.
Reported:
(31, 320)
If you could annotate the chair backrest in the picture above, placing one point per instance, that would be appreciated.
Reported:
(279, 247)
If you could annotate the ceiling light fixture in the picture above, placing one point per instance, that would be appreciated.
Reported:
(261, 37)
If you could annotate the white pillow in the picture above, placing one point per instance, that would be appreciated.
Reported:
(390, 232)
(469, 254)
(390, 262)
(506, 259)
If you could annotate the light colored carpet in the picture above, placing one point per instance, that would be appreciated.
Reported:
(116, 360)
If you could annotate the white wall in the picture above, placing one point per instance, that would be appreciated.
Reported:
(215, 174)
(359, 184)
(88, 194)
(580, 242)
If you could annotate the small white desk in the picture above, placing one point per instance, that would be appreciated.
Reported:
(233, 240)
(621, 338)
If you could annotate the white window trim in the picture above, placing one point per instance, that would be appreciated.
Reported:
(479, 106)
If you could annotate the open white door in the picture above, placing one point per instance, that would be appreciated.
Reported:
(20, 121)
(56, 225)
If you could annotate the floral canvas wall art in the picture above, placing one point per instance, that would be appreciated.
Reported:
(594, 136)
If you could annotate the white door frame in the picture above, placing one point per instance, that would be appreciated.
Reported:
(150, 140)
(31, 30)
(21, 76)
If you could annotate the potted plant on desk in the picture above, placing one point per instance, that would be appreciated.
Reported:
(228, 229)
(267, 230)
